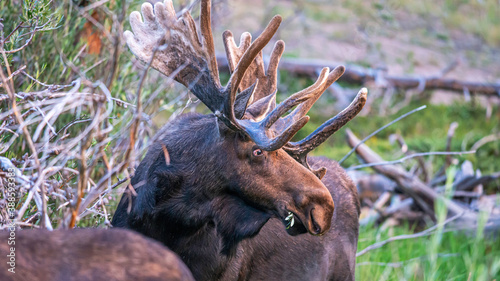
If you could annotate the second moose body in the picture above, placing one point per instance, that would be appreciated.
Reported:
(235, 196)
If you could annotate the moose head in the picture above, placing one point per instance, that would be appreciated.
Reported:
(238, 166)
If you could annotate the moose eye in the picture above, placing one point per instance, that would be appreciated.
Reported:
(257, 152)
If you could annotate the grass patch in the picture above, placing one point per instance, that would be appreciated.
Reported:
(442, 256)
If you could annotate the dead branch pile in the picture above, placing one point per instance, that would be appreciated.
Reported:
(395, 194)
(66, 147)
(57, 166)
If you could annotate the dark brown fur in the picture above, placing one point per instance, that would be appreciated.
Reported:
(209, 206)
(89, 254)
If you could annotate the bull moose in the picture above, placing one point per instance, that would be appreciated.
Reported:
(229, 192)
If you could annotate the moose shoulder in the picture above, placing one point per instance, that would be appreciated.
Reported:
(235, 196)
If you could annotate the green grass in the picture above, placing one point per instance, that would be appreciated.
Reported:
(442, 256)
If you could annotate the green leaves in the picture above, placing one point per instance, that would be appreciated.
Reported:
(290, 220)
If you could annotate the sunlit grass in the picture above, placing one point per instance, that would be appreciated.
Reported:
(448, 257)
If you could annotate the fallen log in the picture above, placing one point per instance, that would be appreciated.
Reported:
(358, 74)
(423, 195)
(374, 213)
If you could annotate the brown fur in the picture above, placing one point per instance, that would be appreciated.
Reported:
(89, 254)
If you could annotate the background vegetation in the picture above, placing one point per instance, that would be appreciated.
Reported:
(66, 41)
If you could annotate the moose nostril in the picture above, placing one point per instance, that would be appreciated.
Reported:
(316, 228)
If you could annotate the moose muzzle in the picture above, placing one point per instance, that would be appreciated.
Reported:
(314, 209)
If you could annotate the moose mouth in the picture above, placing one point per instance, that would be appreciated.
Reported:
(294, 225)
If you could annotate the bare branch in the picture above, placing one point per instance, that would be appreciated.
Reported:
(15, 73)
(378, 130)
(485, 140)
(401, 160)
(426, 232)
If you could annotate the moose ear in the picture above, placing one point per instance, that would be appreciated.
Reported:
(259, 109)
(235, 221)
(242, 100)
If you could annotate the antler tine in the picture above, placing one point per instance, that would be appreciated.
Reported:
(256, 71)
(245, 61)
(260, 136)
(272, 68)
(300, 149)
(261, 108)
(285, 130)
(252, 52)
(267, 81)
(303, 108)
(307, 94)
(257, 129)
(234, 54)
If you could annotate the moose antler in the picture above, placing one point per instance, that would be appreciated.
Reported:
(266, 98)
(300, 149)
(256, 71)
(192, 62)
(253, 111)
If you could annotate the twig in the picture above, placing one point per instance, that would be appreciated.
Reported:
(67, 126)
(138, 110)
(378, 130)
(374, 213)
(15, 73)
(94, 65)
(12, 32)
(470, 182)
(485, 140)
(426, 232)
(118, 183)
(94, 193)
(401, 160)
(401, 263)
(51, 87)
(106, 220)
(117, 44)
(26, 43)
(83, 179)
(94, 5)
(468, 194)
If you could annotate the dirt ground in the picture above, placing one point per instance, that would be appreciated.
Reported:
(372, 35)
